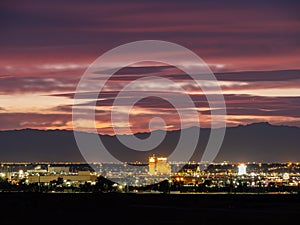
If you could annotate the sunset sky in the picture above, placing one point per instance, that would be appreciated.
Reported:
(253, 48)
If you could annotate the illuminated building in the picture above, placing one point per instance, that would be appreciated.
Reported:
(81, 176)
(58, 169)
(37, 169)
(21, 174)
(286, 176)
(158, 166)
(242, 169)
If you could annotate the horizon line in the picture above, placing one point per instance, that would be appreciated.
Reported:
(159, 130)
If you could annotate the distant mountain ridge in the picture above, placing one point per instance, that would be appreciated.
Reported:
(257, 142)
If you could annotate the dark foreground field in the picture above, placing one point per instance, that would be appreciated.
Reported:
(113, 208)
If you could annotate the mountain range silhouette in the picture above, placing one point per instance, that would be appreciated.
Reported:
(257, 142)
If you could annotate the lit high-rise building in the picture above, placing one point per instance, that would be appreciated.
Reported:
(242, 169)
(159, 166)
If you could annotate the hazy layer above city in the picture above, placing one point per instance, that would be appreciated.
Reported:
(258, 142)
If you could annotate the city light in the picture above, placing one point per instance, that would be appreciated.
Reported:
(242, 169)
(184, 177)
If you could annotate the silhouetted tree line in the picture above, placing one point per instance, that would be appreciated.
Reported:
(104, 185)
